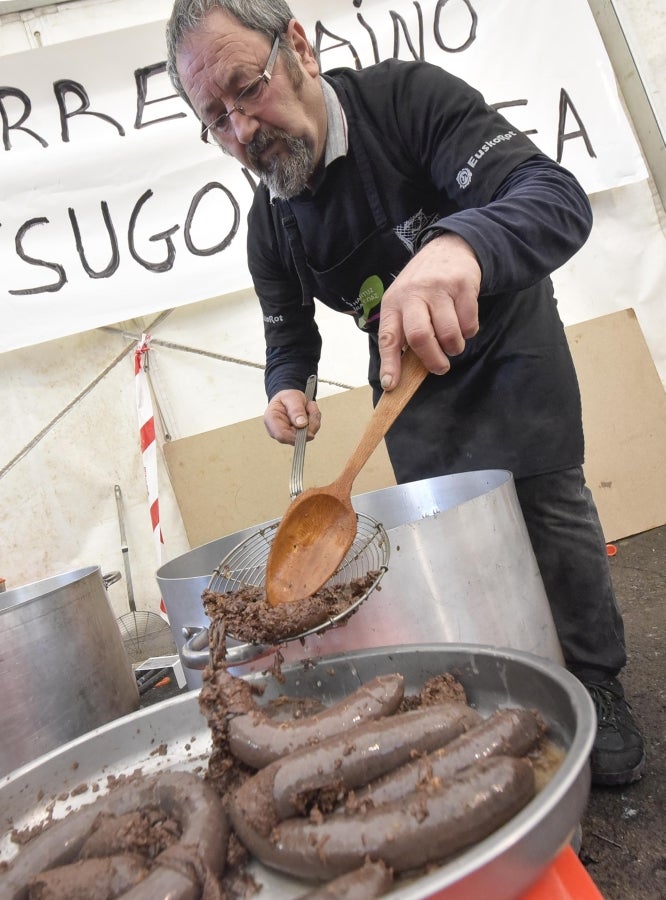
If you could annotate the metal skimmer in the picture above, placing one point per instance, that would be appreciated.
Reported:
(245, 565)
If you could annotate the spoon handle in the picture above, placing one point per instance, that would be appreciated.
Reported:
(389, 407)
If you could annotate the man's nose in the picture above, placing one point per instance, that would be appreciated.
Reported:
(245, 127)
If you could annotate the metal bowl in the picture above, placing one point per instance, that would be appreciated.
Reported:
(502, 866)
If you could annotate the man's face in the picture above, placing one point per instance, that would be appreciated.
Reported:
(280, 133)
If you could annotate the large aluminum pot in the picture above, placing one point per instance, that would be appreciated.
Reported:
(63, 667)
(462, 569)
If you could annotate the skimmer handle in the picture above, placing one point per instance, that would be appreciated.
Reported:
(298, 461)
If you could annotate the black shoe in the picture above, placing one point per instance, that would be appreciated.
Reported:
(618, 753)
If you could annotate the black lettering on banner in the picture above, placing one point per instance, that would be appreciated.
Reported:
(16, 126)
(233, 231)
(507, 104)
(165, 236)
(141, 77)
(396, 37)
(342, 42)
(20, 252)
(114, 262)
(115, 255)
(399, 24)
(373, 38)
(472, 28)
(562, 136)
(63, 87)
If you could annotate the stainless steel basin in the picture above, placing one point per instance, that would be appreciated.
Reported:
(502, 866)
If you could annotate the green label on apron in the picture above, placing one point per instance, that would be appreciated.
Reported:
(370, 296)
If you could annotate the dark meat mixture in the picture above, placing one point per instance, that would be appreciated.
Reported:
(246, 615)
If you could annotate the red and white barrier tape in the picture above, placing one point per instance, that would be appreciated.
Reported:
(144, 405)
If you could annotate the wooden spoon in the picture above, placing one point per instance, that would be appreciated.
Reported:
(319, 526)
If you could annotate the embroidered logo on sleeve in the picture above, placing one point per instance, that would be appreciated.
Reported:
(464, 176)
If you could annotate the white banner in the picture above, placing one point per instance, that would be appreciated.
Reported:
(111, 207)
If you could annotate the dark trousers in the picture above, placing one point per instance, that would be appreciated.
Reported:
(570, 548)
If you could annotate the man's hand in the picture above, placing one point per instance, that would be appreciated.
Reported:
(432, 306)
(287, 412)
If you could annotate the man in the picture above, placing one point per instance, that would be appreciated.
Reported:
(395, 195)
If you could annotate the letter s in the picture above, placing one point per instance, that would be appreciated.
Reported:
(62, 277)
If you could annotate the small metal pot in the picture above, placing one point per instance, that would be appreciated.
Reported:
(63, 667)
(462, 569)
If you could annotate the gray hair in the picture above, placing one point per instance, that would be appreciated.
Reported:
(269, 17)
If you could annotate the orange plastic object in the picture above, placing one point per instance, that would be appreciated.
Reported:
(611, 549)
(565, 879)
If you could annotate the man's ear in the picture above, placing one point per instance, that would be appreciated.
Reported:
(296, 35)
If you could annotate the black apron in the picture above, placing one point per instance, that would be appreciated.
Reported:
(511, 399)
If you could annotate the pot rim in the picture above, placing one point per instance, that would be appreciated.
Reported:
(39, 590)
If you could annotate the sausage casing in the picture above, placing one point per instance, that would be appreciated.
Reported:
(256, 739)
(405, 835)
(293, 784)
(507, 732)
(372, 880)
(192, 801)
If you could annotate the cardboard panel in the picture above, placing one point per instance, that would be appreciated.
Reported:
(624, 413)
(235, 477)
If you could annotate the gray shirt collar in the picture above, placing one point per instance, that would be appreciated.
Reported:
(337, 142)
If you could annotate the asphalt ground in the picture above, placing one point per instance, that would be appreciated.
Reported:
(624, 829)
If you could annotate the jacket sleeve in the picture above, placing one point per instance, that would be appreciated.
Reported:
(289, 367)
(537, 219)
(293, 341)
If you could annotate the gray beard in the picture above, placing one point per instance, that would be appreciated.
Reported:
(284, 178)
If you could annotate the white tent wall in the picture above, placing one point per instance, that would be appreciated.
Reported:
(68, 406)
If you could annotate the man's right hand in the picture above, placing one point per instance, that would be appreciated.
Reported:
(287, 412)
(432, 305)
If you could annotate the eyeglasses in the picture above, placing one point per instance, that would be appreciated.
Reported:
(251, 95)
